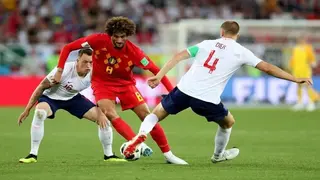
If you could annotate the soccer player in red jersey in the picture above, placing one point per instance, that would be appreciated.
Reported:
(113, 60)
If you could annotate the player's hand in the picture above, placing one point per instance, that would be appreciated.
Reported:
(102, 122)
(57, 77)
(23, 116)
(153, 81)
(307, 81)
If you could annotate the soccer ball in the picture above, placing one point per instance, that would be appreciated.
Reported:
(135, 156)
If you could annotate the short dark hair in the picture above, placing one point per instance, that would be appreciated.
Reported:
(120, 24)
(85, 50)
(230, 27)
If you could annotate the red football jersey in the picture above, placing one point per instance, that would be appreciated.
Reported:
(111, 66)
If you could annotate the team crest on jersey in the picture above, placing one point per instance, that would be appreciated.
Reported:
(112, 60)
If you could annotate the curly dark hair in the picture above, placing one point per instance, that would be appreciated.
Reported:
(120, 24)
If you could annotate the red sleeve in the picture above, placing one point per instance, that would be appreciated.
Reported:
(75, 45)
(140, 59)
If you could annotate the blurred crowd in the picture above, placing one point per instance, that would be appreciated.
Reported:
(32, 23)
(60, 21)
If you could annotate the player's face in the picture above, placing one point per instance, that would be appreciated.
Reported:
(119, 39)
(84, 64)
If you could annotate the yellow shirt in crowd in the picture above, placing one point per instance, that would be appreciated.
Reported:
(302, 58)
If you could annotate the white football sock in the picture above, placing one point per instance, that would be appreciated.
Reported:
(148, 123)
(37, 130)
(221, 140)
(106, 138)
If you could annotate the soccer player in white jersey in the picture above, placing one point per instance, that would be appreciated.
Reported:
(215, 61)
(65, 95)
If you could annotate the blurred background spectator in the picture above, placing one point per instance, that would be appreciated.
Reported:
(37, 29)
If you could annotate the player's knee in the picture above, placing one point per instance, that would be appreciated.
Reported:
(143, 114)
(43, 105)
(110, 113)
(160, 112)
(41, 114)
(228, 122)
(227, 125)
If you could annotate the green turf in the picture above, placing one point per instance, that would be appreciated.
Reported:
(274, 144)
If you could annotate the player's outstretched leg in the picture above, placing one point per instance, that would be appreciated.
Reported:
(108, 108)
(105, 134)
(149, 124)
(160, 138)
(222, 139)
(106, 139)
(37, 131)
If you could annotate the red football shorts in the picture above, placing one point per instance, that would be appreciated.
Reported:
(129, 95)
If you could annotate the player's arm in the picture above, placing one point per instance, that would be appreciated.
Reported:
(183, 55)
(45, 84)
(275, 71)
(250, 59)
(144, 62)
(191, 51)
(75, 45)
(165, 80)
(279, 73)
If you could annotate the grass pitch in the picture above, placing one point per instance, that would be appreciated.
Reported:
(274, 144)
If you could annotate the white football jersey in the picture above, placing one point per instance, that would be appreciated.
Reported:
(215, 61)
(70, 85)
